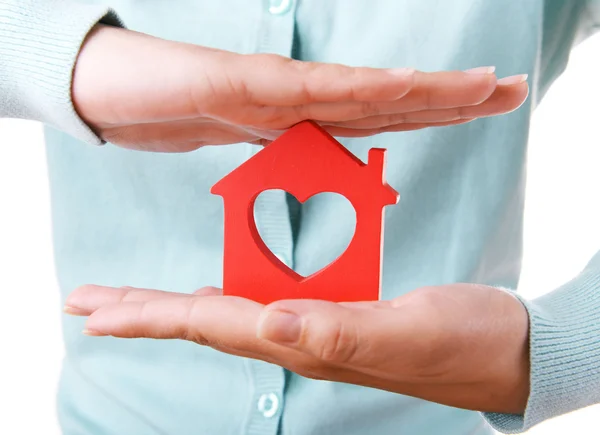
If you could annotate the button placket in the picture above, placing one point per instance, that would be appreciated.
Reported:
(273, 218)
(267, 400)
(277, 28)
(280, 7)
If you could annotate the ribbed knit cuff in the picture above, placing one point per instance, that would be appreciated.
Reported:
(39, 44)
(565, 352)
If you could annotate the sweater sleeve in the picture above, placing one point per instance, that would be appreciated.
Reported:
(565, 323)
(564, 352)
(565, 24)
(39, 44)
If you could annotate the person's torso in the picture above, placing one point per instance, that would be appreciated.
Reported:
(148, 220)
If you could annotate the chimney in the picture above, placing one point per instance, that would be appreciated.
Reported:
(376, 162)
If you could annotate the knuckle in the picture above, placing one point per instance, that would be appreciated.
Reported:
(200, 340)
(484, 90)
(204, 96)
(368, 108)
(278, 118)
(264, 58)
(132, 294)
(276, 63)
(428, 99)
(301, 66)
(398, 118)
(316, 82)
(339, 345)
(423, 297)
(393, 119)
(142, 318)
(306, 91)
(305, 80)
(187, 332)
(206, 291)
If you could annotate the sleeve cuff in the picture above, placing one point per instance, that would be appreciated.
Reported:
(564, 352)
(39, 45)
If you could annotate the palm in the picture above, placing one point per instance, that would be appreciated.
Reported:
(460, 345)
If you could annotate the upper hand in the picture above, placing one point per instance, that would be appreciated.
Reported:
(461, 345)
(146, 93)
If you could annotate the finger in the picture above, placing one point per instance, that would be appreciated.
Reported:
(177, 136)
(505, 99)
(88, 298)
(431, 91)
(277, 81)
(384, 343)
(224, 323)
(333, 333)
(227, 324)
(202, 319)
(446, 89)
(365, 132)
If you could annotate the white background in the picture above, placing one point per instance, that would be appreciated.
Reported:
(562, 231)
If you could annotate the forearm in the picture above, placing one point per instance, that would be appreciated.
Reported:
(39, 44)
(564, 352)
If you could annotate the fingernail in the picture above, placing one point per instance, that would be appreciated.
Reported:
(481, 70)
(280, 327)
(92, 333)
(513, 80)
(73, 311)
(404, 72)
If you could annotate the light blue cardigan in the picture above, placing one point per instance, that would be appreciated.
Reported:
(148, 220)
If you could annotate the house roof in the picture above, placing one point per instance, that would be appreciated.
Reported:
(303, 150)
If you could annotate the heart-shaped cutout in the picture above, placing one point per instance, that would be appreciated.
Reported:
(307, 218)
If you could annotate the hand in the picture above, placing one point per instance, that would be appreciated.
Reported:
(141, 92)
(461, 345)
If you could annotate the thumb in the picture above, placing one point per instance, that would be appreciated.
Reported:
(334, 333)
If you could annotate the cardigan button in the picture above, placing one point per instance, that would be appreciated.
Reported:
(280, 7)
(268, 404)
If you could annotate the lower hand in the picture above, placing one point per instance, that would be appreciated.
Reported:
(461, 345)
(145, 93)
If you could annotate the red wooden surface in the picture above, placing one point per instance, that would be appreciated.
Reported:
(305, 161)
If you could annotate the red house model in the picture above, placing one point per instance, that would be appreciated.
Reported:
(305, 161)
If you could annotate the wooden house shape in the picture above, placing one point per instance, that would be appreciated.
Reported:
(305, 161)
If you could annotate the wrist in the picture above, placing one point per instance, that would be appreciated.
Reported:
(90, 66)
(514, 380)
